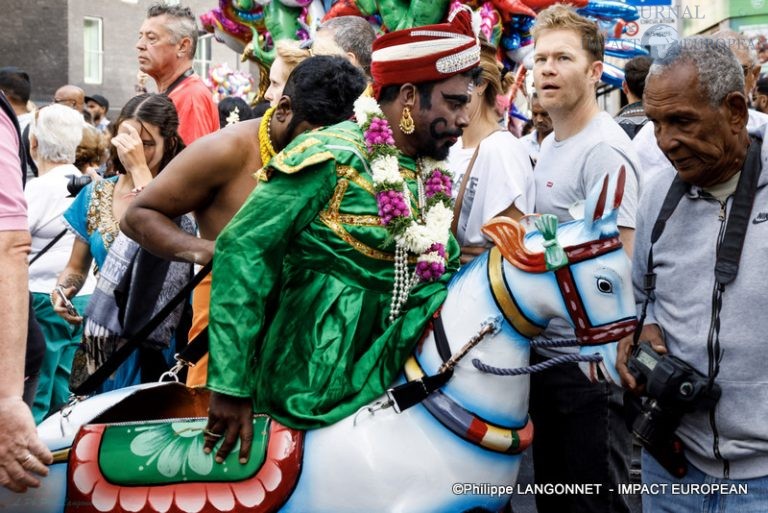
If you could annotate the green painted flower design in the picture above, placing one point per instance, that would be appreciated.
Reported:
(171, 452)
(175, 448)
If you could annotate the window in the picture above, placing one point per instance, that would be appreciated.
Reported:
(202, 62)
(93, 50)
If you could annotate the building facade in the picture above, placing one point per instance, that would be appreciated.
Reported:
(91, 44)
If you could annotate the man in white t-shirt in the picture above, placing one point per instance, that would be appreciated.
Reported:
(580, 433)
(542, 127)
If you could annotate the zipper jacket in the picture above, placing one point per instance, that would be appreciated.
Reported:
(730, 440)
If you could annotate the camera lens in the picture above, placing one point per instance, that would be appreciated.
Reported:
(76, 183)
(686, 389)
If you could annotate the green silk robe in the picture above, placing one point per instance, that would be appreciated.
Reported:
(302, 284)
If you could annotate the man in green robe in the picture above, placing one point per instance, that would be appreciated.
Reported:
(301, 325)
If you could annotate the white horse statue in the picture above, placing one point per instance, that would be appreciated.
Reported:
(456, 450)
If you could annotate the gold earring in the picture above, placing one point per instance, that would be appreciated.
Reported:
(407, 126)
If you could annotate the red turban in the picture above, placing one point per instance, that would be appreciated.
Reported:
(425, 54)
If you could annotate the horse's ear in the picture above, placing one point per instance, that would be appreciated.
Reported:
(508, 236)
(618, 194)
(595, 203)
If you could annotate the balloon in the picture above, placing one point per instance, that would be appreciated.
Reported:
(538, 5)
(609, 9)
(295, 3)
(508, 8)
(343, 8)
(612, 75)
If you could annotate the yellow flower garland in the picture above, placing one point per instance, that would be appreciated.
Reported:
(265, 141)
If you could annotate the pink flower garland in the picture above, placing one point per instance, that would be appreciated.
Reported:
(426, 237)
(378, 132)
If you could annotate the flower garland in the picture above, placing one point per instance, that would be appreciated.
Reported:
(266, 149)
(425, 237)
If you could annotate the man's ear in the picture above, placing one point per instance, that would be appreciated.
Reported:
(408, 93)
(736, 111)
(351, 58)
(596, 71)
(283, 109)
(185, 46)
(625, 88)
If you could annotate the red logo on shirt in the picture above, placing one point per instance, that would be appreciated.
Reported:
(550, 183)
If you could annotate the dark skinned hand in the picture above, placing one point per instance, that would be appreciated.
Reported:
(229, 417)
(651, 333)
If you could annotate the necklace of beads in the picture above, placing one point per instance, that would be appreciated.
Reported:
(426, 236)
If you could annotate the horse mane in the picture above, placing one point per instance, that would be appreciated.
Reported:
(508, 235)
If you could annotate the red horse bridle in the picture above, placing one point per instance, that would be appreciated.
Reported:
(586, 332)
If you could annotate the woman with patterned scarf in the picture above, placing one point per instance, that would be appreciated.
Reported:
(144, 141)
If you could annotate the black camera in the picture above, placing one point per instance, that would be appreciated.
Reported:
(673, 388)
(76, 183)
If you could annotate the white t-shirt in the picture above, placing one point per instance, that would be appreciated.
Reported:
(567, 170)
(501, 176)
(565, 174)
(531, 142)
(47, 199)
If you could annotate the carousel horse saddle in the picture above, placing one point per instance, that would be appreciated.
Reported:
(158, 465)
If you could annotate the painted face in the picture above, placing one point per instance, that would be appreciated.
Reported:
(540, 117)
(701, 141)
(157, 51)
(153, 142)
(562, 71)
(278, 75)
(440, 124)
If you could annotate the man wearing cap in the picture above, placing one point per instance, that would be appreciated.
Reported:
(98, 106)
(303, 275)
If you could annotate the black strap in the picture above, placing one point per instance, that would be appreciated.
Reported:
(49, 245)
(411, 393)
(674, 195)
(178, 81)
(441, 339)
(118, 357)
(196, 348)
(729, 252)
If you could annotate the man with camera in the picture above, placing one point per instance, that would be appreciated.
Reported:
(699, 276)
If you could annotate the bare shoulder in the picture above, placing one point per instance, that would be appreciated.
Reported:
(217, 157)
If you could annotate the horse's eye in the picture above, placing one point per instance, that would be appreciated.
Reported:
(604, 286)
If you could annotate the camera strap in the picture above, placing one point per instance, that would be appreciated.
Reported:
(729, 250)
(181, 78)
(48, 246)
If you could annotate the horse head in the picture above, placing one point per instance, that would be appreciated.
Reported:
(581, 261)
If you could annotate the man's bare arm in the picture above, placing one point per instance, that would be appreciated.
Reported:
(14, 249)
(22, 455)
(627, 237)
(188, 184)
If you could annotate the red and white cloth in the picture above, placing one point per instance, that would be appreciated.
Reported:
(425, 54)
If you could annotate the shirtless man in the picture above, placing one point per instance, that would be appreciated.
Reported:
(214, 176)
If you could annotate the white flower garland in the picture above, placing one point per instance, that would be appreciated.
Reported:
(426, 237)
